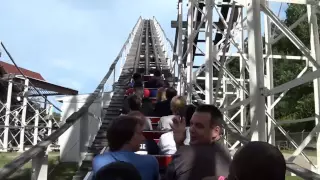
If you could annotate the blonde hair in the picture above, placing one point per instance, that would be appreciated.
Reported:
(161, 94)
(178, 104)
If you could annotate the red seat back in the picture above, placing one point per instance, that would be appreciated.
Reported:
(146, 77)
(154, 119)
(153, 134)
(163, 160)
(154, 126)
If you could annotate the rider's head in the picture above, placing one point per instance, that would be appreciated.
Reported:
(125, 133)
(178, 105)
(139, 115)
(170, 93)
(136, 77)
(157, 73)
(205, 125)
(134, 102)
(258, 160)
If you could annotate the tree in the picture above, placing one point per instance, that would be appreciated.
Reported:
(56, 116)
(298, 102)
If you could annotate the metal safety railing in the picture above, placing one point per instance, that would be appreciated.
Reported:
(38, 151)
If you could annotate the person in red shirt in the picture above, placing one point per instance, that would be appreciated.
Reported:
(137, 87)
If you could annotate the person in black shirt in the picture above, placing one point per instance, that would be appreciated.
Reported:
(163, 108)
(206, 156)
(156, 81)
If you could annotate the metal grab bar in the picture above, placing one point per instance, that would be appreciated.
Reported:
(41, 147)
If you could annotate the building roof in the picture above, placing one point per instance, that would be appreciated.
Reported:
(44, 87)
(11, 69)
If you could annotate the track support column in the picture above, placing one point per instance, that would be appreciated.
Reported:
(242, 66)
(190, 53)
(208, 56)
(180, 90)
(269, 75)
(7, 119)
(315, 52)
(24, 114)
(256, 67)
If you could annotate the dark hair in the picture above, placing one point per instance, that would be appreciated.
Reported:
(215, 113)
(120, 131)
(157, 73)
(166, 83)
(134, 102)
(136, 76)
(190, 109)
(118, 170)
(138, 84)
(258, 160)
(170, 93)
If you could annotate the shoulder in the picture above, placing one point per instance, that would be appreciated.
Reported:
(184, 152)
(166, 118)
(101, 160)
(148, 160)
(105, 156)
(147, 119)
(166, 135)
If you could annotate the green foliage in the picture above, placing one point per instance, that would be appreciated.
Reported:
(298, 102)
(56, 116)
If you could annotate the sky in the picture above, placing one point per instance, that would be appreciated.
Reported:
(73, 42)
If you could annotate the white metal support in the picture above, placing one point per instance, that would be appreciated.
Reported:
(257, 105)
(269, 75)
(180, 90)
(24, 114)
(315, 52)
(40, 166)
(36, 129)
(7, 118)
(190, 53)
(242, 77)
(49, 123)
(291, 36)
(208, 55)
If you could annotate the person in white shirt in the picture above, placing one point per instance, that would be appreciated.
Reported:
(166, 143)
(177, 106)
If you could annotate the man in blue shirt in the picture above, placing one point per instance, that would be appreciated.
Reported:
(124, 136)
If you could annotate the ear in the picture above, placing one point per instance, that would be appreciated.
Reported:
(218, 129)
(215, 130)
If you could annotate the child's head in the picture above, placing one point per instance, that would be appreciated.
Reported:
(136, 77)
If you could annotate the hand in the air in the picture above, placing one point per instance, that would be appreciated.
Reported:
(179, 129)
